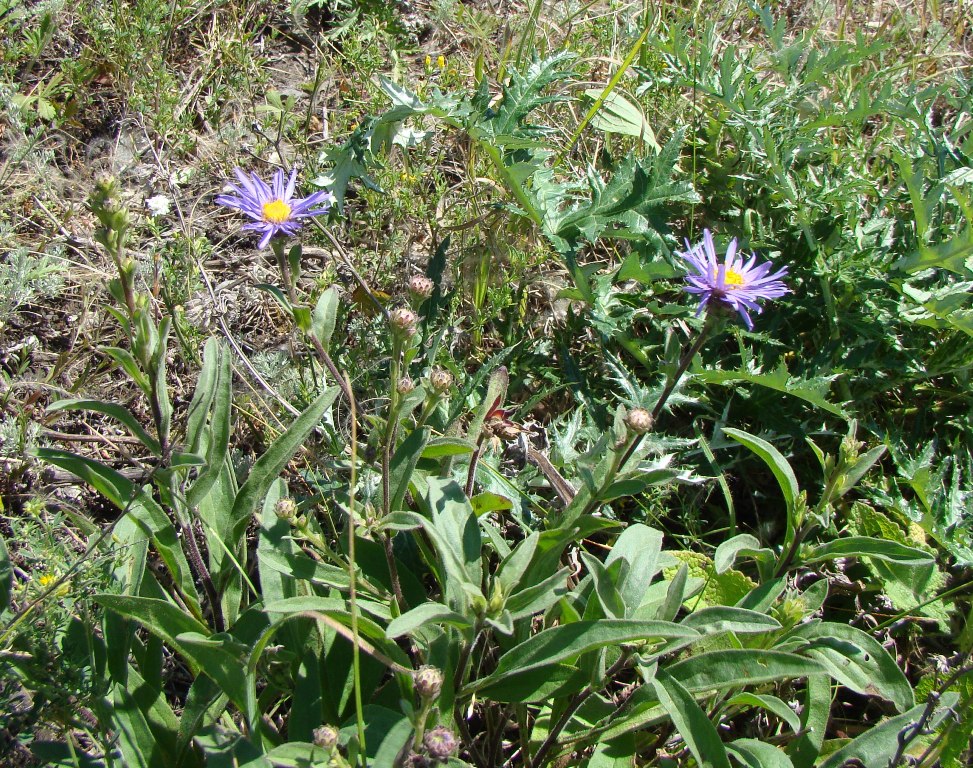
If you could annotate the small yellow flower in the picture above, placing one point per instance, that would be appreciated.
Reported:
(46, 579)
(428, 62)
(441, 61)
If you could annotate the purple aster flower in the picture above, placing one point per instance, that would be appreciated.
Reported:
(731, 283)
(273, 208)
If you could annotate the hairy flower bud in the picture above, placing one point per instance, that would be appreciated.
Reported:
(440, 380)
(638, 420)
(326, 737)
(404, 385)
(440, 743)
(403, 320)
(286, 509)
(421, 287)
(428, 681)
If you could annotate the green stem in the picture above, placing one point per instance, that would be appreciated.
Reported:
(353, 597)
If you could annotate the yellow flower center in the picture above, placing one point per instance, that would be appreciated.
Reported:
(733, 279)
(276, 211)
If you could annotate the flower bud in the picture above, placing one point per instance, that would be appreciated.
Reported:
(404, 385)
(404, 321)
(286, 509)
(440, 380)
(421, 288)
(326, 737)
(638, 420)
(428, 681)
(440, 743)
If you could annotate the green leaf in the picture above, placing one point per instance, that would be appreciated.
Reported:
(726, 553)
(568, 641)
(142, 508)
(541, 684)
(439, 447)
(127, 363)
(804, 750)
(720, 618)
(738, 668)
(639, 546)
(856, 660)
(877, 745)
(866, 546)
(118, 412)
(692, 723)
(814, 391)
(435, 613)
(386, 732)
(217, 437)
(772, 704)
(160, 617)
(758, 754)
(266, 469)
(619, 115)
(773, 458)
(325, 316)
(403, 464)
(224, 659)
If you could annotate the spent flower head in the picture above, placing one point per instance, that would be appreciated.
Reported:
(273, 207)
(731, 283)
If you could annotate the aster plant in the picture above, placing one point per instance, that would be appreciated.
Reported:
(731, 282)
(274, 209)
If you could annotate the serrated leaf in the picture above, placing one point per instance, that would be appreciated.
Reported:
(814, 391)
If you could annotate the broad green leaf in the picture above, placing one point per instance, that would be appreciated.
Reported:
(639, 546)
(856, 660)
(435, 613)
(297, 565)
(538, 597)
(726, 553)
(814, 391)
(226, 748)
(439, 447)
(604, 579)
(675, 594)
(159, 617)
(772, 704)
(568, 641)
(141, 507)
(217, 436)
(118, 412)
(386, 732)
(866, 546)
(225, 661)
(693, 725)
(773, 459)
(297, 754)
(719, 618)
(878, 744)
(514, 565)
(738, 668)
(403, 464)
(540, 684)
(458, 529)
(758, 754)
(325, 316)
(862, 464)
(619, 115)
(815, 714)
(136, 742)
(128, 364)
(267, 468)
